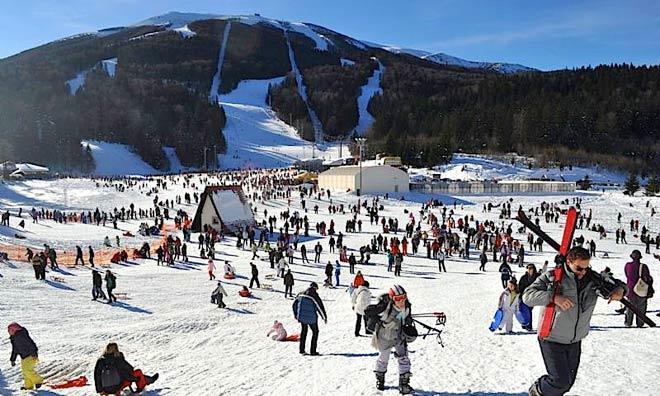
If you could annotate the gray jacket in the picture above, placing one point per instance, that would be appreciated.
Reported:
(569, 326)
(388, 332)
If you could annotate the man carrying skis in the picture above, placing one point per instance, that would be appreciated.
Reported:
(576, 300)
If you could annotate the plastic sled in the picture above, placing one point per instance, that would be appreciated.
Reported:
(229, 276)
(524, 315)
(497, 319)
(292, 337)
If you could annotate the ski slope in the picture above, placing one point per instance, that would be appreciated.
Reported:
(255, 137)
(367, 92)
(215, 85)
(117, 159)
(167, 324)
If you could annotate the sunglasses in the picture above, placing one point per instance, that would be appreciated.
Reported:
(399, 298)
(581, 269)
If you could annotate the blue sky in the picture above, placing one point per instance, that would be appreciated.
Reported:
(543, 34)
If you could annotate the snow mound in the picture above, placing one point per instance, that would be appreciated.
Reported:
(367, 92)
(114, 159)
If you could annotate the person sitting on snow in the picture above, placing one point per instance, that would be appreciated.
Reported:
(277, 331)
(113, 373)
(230, 273)
(245, 292)
(106, 241)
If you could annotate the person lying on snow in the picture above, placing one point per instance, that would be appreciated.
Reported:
(23, 346)
(113, 373)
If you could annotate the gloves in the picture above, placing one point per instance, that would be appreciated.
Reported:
(13, 363)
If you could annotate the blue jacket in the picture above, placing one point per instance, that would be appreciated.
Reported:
(307, 306)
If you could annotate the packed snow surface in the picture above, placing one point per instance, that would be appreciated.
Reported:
(77, 82)
(215, 85)
(255, 136)
(173, 158)
(166, 324)
(185, 32)
(320, 41)
(117, 159)
(109, 66)
(367, 92)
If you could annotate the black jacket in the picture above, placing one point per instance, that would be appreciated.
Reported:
(124, 369)
(328, 270)
(525, 281)
(22, 345)
(288, 279)
(255, 271)
(96, 279)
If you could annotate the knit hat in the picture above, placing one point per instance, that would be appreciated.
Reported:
(636, 255)
(313, 285)
(13, 328)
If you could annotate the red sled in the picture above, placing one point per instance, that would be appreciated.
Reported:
(292, 337)
(229, 276)
(74, 383)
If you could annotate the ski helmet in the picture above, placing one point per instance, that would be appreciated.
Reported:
(396, 290)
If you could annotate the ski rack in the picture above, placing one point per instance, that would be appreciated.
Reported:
(598, 279)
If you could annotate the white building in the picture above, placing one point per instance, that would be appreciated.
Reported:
(375, 179)
(223, 208)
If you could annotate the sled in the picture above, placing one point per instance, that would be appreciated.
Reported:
(292, 337)
(270, 276)
(58, 279)
(74, 383)
(497, 319)
(121, 296)
(524, 315)
(229, 276)
(267, 286)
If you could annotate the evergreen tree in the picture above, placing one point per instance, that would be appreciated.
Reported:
(632, 184)
(653, 186)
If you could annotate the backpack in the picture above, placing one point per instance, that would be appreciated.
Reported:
(372, 313)
(110, 376)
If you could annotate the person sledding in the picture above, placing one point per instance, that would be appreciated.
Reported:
(217, 295)
(22, 345)
(392, 326)
(278, 333)
(230, 272)
(245, 292)
(113, 373)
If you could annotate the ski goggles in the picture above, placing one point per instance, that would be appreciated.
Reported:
(399, 298)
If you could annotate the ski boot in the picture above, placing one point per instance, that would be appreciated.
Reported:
(534, 389)
(380, 380)
(404, 384)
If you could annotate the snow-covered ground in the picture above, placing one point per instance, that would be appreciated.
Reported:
(255, 137)
(371, 88)
(167, 323)
(215, 85)
(469, 167)
(117, 159)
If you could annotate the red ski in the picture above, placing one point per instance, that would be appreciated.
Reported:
(571, 219)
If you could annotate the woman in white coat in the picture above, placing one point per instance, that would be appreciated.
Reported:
(509, 304)
(361, 298)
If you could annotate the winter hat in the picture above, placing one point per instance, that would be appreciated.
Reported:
(365, 284)
(636, 255)
(396, 290)
(313, 285)
(13, 328)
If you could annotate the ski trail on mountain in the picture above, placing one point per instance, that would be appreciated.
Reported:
(302, 90)
(215, 85)
(371, 88)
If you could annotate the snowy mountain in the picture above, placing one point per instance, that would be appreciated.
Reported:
(448, 60)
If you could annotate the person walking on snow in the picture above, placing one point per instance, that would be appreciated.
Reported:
(307, 307)
(360, 299)
(22, 345)
(255, 276)
(509, 304)
(393, 311)
(337, 271)
(110, 285)
(561, 350)
(328, 274)
(288, 284)
(97, 285)
(211, 268)
(635, 271)
(218, 293)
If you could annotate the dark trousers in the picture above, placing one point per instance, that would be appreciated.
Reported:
(397, 270)
(482, 267)
(358, 323)
(303, 336)
(288, 289)
(640, 303)
(255, 279)
(561, 363)
(441, 266)
(111, 297)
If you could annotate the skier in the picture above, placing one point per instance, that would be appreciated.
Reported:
(110, 285)
(22, 345)
(306, 309)
(216, 296)
(393, 313)
(561, 350)
(288, 284)
(509, 303)
(113, 373)
(360, 299)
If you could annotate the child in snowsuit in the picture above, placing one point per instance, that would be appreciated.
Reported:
(394, 312)
(211, 268)
(509, 304)
(216, 296)
(277, 331)
(23, 346)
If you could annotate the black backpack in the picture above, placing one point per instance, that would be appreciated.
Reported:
(372, 313)
(110, 378)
